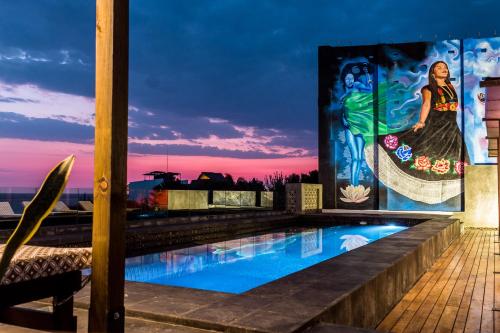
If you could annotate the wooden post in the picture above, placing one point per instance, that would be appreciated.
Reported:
(106, 313)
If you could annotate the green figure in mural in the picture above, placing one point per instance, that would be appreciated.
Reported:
(354, 121)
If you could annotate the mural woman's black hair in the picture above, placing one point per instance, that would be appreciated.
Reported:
(433, 85)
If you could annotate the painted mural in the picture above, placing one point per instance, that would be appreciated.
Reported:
(399, 138)
(481, 59)
(352, 88)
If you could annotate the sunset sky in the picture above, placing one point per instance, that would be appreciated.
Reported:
(216, 85)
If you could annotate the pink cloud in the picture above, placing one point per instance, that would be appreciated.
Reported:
(249, 142)
(35, 102)
(26, 162)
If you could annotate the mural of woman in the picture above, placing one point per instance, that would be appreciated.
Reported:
(357, 118)
(426, 162)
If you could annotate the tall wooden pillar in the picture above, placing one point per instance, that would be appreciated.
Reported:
(106, 313)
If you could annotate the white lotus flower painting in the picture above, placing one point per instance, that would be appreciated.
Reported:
(355, 194)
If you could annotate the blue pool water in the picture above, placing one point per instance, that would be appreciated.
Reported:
(238, 265)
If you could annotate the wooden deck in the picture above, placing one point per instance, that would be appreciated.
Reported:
(457, 294)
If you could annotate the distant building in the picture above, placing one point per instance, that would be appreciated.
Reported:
(212, 176)
(166, 176)
(212, 181)
(140, 192)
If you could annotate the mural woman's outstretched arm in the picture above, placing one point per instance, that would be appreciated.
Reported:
(424, 112)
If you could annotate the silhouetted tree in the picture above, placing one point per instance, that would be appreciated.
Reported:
(275, 182)
(312, 177)
(256, 185)
(241, 184)
(229, 181)
(292, 178)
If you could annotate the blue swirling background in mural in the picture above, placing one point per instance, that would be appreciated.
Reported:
(481, 59)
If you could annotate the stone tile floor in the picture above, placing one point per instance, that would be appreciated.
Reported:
(132, 325)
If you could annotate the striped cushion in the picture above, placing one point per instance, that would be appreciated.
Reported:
(32, 262)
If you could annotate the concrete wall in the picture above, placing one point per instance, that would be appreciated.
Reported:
(182, 199)
(234, 198)
(248, 198)
(302, 197)
(266, 199)
(481, 196)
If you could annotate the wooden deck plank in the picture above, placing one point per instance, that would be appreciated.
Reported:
(438, 295)
(457, 294)
(487, 316)
(450, 311)
(435, 314)
(461, 319)
(496, 321)
(497, 283)
(393, 317)
(496, 277)
(447, 320)
(473, 324)
(440, 268)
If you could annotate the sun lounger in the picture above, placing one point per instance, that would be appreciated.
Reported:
(40, 272)
(86, 206)
(6, 210)
(60, 207)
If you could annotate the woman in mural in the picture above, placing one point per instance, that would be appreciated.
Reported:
(357, 118)
(426, 162)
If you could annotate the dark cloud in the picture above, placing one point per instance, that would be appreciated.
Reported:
(16, 126)
(150, 121)
(61, 32)
(196, 151)
(251, 62)
(298, 138)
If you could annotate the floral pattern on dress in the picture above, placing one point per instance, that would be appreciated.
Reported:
(422, 163)
(391, 142)
(441, 167)
(404, 153)
(459, 167)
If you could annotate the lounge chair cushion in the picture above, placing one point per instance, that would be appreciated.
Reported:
(86, 205)
(5, 209)
(61, 207)
(32, 262)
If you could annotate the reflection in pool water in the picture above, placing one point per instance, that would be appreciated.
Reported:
(353, 241)
(241, 264)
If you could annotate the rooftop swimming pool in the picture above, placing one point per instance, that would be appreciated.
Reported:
(238, 265)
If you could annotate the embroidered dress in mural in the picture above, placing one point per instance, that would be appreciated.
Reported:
(435, 151)
(426, 165)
